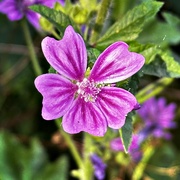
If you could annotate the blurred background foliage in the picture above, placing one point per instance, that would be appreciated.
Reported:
(30, 147)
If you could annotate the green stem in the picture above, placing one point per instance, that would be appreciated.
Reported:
(139, 170)
(165, 171)
(120, 8)
(71, 145)
(87, 168)
(86, 33)
(101, 15)
(153, 89)
(32, 52)
(55, 34)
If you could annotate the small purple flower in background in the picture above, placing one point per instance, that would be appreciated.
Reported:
(17, 9)
(86, 103)
(134, 149)
(99, 167)
(158, 117)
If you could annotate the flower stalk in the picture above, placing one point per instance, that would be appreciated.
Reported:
(153, 89)
(100, 19)
(71, 145)
(138, 172)
(87, 168)
(34, 59)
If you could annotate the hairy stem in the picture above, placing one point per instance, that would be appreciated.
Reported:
(139, 170)
(71, 145)
(87, 169)
(35, 63)
(100, 19)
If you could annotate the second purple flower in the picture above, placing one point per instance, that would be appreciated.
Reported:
(86, 103)
(17, 9)
(158, 117)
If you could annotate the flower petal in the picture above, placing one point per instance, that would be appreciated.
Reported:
(150, 112)
(147, 109)
(155, 112)
(67, 56)
(115, 103)
(58, 95)
(99, 166)
(116, 144)
(116, 63)
(84, 116)
(11, 9)
(166, 116)
(33, 19)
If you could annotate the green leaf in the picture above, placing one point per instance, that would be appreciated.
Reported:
(121, 7)
(10, 150)
(133, 83)
(156, 68)
(160, 33)
(171, 19)
(149, 51)
(31, 162)
(52, 70)
(173, 67)
(162, 168)
(164, 65)
(18, 162)
(160, 63)
(93, 54)
(57, 170)
(78, 14)
(130, 84)
(126, 132)
(131, 24)
(88, 5)
(45, 24)
(57, 18)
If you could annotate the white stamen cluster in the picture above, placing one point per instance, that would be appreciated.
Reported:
(88, 90)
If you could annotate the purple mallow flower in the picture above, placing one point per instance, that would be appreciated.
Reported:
(99, 167)
(86, 103)
(17, 9)
(158, 117)
(134, 149)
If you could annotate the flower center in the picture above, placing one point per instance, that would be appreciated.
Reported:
(88, 90)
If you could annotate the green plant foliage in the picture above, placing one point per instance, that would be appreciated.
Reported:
(121, 7)
(148, 29)
(126, 132)
(57, 18)
(20, 162)
(156, 68)
(89, 5)
(149, 51)
(57, 170)
(164, 65)
(92, 56)
(51, 70)
(173, 67)
(171, 19)
(79, 14)
(131, 24)
(164, 168)
(161, 32)
(45, 24)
